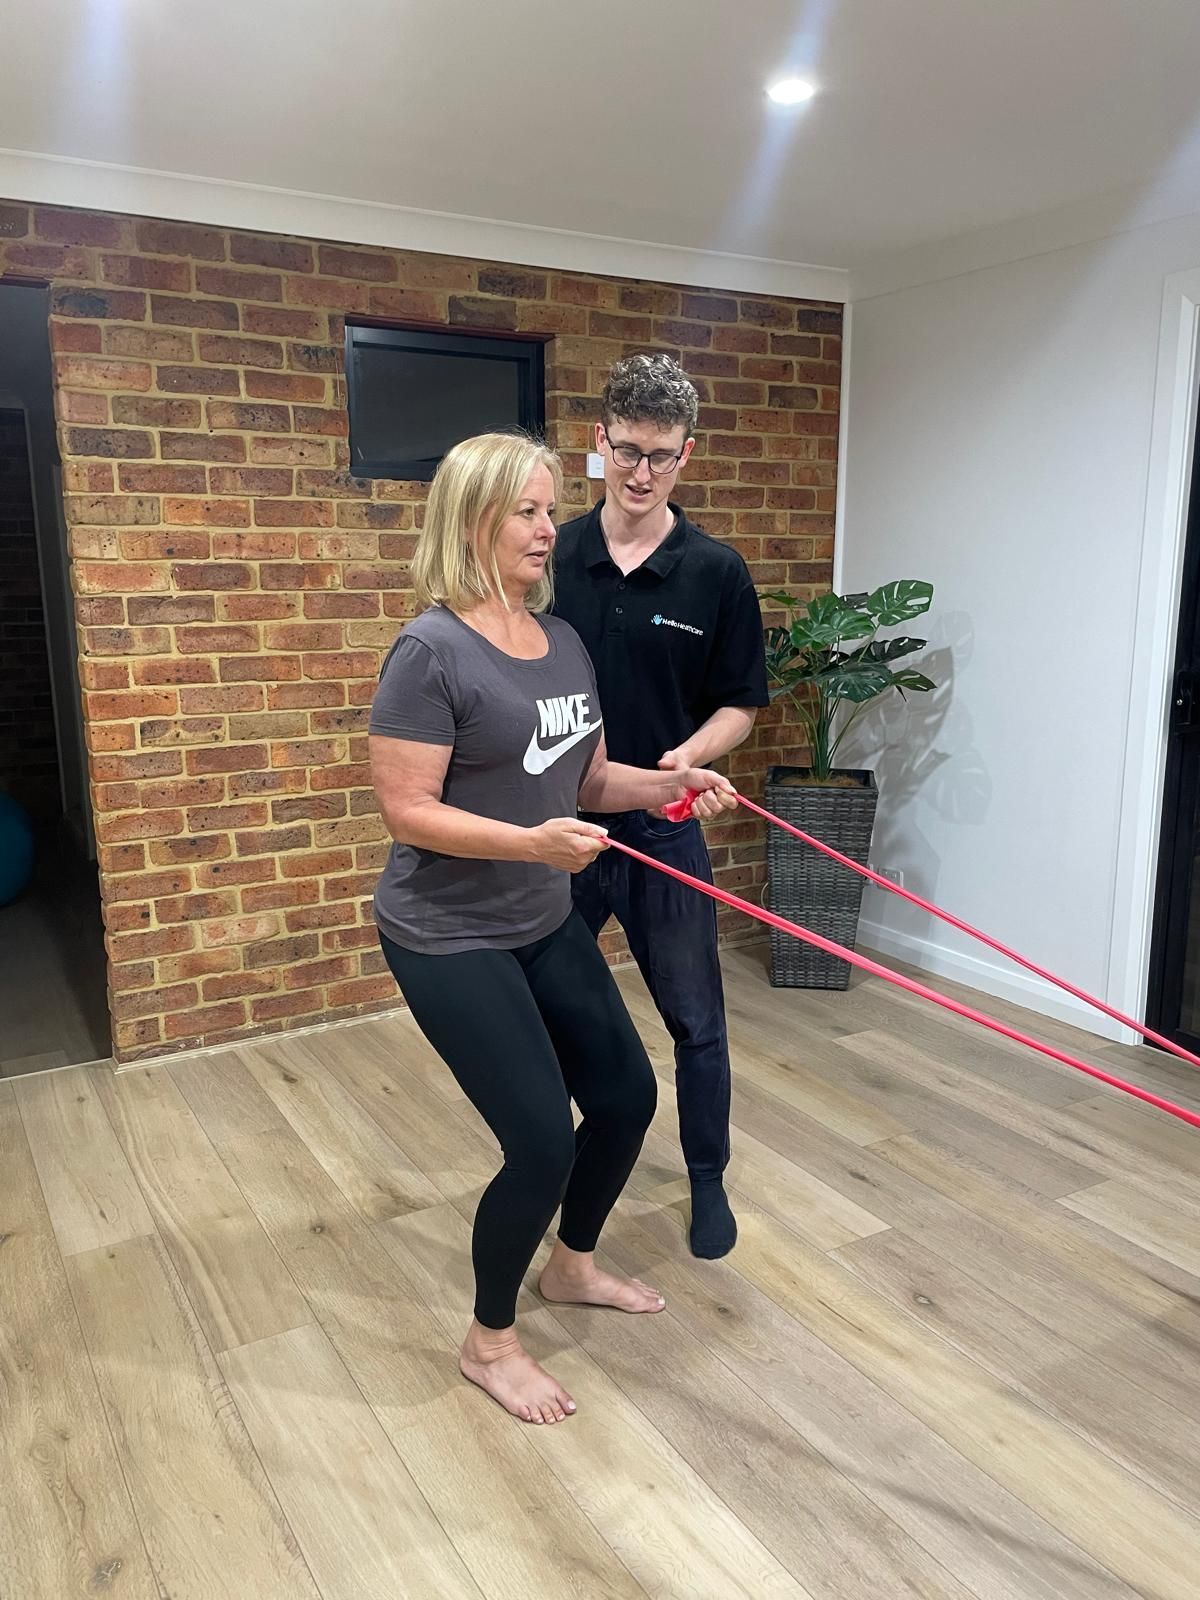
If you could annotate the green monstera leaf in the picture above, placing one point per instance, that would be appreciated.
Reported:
(827, 621)
(899, 602)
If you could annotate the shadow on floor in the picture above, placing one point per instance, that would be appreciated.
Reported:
(53, 1005)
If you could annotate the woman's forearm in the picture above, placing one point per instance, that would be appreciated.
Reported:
(447, 831)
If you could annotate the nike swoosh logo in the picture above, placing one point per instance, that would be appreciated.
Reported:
(538, 760)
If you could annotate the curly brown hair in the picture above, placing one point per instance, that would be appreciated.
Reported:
(650, 388)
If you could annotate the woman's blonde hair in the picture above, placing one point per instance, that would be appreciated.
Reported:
(480, 480)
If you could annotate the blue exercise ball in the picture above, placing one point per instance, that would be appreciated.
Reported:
(16, 849)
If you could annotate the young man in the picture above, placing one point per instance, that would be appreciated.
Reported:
(672, 623)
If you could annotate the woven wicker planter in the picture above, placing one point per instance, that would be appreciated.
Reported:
(806, 886)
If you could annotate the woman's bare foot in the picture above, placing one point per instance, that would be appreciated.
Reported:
(495, 1360)
(573, 1278)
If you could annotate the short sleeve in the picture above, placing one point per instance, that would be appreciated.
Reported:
(413, 700)
(737, 669)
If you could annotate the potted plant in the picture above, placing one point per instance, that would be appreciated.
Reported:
(829, 659)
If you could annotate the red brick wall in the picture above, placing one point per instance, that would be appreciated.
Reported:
(236, 588)
(28, 751)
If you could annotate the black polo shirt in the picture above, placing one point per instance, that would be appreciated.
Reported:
(672, 641)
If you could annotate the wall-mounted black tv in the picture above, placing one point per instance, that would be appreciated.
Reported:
(413, 394)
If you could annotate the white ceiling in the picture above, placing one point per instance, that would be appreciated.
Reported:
(639, 121)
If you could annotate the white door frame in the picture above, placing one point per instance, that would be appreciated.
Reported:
(1169, 476)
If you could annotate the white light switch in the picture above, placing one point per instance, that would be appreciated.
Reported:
(595, 464)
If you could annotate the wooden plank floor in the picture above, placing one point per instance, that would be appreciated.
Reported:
(955, 1354)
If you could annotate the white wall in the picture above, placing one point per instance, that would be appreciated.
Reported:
(998, 444)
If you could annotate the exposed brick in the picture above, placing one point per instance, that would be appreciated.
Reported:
(180, 312)
(234, 984)
(173, 670)
(409, 305)
(257, 607)
(321, 293)
(359, 991)
(264, 250)
(240, 352)
(284, 386)
(82, 407)
(75, 338)
(120, 443)
(197, 380)
(286, 696)
(202, 447)
(319, 420)
(140, 272)
(287, 324)
(83, 373)
(161, 480)
(252, 418)
(151, 609)
(212, 575)
(689, 335)
(537, 317)
(206, 513)
(768, 313)
(230, 283)
(206, 1022)
(253, 544)
(308, 752)
(217, 640)
(180, 239)
(812, 319)
(251, 480)
(14, 221)
(181, 730)
(78, 227)
(512, 284)
(795, 344)
(281, 952)
(470, 311)
(307, 1003)
(272, 721)
(294, 452)
(647, 299)
(222, 700)
(299, 575)
(314, 357)
(147, 413)
(366, 266)
(117, 303)
(709, 308)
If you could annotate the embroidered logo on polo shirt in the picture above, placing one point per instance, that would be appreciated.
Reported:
(660, 621)
(564, 717)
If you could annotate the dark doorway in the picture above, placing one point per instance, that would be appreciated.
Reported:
(53, 1005)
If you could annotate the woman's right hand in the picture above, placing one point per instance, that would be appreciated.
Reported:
(567, 843)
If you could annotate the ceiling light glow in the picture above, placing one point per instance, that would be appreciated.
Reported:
(791, 91)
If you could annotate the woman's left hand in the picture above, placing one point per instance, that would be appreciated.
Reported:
(716, 794)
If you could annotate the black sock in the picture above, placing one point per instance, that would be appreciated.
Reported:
(714, 1229)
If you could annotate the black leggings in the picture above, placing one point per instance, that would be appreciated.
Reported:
(524, 1032)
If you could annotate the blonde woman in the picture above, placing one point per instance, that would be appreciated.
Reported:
(486, 739)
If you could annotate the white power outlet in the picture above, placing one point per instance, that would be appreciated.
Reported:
(892, 874)
(595, 464)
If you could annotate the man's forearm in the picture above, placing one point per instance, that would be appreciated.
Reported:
(723, 732)
(612, 786)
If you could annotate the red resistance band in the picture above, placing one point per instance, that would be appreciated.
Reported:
(682, 809)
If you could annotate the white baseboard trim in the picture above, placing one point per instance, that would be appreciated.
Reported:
(1005, 982)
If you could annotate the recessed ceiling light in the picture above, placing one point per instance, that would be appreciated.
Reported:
(791, 91)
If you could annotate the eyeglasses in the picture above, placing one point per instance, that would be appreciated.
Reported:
(630, 457)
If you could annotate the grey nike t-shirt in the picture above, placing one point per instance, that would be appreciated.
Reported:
(522, 736)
